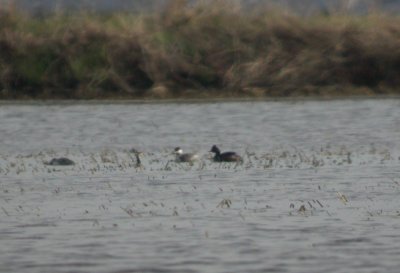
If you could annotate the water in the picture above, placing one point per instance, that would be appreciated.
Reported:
(339, 160)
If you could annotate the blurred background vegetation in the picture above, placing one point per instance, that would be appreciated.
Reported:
(205, 49)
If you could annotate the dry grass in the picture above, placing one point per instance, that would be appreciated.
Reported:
(197, 51)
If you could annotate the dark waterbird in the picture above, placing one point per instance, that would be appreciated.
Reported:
(61, 161)
(138, 161)
(226, 156)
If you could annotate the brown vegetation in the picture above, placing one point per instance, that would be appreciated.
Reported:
(213, 51)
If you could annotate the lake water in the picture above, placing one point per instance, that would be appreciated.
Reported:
(318, 191)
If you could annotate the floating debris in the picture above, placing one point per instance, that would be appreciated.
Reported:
(342, 198)
(225, 203)
(302, 208)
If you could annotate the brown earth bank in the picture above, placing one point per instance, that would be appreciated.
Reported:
(213, 51)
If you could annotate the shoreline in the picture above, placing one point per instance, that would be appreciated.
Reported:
(197, 53)
(193, 100)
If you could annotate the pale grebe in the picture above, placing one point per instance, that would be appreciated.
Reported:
(181, 157)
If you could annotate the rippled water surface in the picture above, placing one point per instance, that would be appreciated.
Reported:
(318, 191)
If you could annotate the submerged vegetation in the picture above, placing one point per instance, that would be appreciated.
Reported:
(201, 51)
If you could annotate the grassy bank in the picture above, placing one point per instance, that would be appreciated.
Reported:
(216, 51)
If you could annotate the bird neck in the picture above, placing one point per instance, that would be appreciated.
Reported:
(138, 162)
(217, 156)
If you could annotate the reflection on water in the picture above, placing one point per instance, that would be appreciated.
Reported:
(317, 192)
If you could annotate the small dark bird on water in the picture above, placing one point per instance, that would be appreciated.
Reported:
(181, 157)
(61, 161)
(138, 161)
(226, 156)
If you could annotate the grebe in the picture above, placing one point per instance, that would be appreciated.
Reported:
(137, 153)
(181, 157)
(227, 156)
(62, 161)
